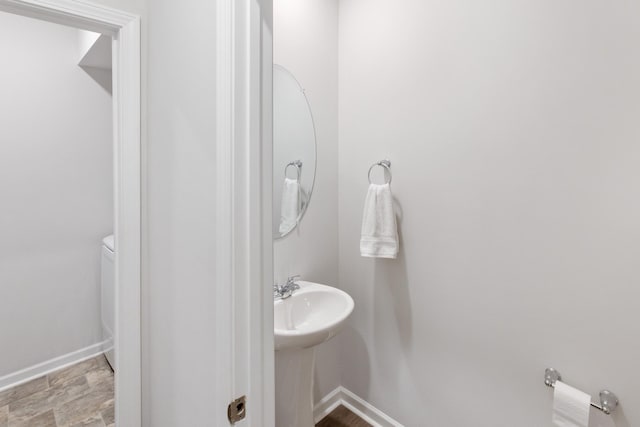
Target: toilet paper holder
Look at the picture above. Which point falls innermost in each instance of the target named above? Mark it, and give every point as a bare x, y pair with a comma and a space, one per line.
608, 400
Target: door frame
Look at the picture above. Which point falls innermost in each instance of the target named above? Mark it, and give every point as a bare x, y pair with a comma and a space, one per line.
124, 28
244, 64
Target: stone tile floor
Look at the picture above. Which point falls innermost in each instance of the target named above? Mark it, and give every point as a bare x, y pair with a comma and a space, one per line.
79, 395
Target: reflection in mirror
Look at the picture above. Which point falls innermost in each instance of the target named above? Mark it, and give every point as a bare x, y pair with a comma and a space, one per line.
294, 152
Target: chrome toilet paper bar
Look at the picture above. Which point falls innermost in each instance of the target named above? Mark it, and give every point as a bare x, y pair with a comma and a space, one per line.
608, 400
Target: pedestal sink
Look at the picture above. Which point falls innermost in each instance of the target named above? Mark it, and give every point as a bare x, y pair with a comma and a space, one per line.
312, 315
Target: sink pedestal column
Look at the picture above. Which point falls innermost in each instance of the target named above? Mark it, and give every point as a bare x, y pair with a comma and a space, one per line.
294, 387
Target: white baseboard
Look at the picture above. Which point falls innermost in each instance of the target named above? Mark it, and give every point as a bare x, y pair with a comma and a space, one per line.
357, 405
49, 366
327, 404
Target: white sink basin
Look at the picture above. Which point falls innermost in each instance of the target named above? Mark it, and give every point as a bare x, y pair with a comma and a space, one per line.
312, 315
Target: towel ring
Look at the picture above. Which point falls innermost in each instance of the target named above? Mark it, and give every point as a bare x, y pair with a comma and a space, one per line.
385, 164
298, 166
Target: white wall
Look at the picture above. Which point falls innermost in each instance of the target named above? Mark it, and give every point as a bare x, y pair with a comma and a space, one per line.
306, 43
513, 132
178, 133
181, 352
179, 276
57, 196
178, 136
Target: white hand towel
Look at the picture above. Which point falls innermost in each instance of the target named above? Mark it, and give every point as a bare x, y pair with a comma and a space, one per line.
570, 406
290, 205
379, 230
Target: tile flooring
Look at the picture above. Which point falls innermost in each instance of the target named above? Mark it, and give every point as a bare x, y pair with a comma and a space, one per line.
342, 417
80, 395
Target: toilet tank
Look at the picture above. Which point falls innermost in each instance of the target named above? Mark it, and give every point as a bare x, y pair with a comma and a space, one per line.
108, 297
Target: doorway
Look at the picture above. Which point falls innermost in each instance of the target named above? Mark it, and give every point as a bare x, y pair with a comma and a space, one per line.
121, 32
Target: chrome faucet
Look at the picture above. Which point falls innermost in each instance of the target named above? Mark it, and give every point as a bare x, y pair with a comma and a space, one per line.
286, 290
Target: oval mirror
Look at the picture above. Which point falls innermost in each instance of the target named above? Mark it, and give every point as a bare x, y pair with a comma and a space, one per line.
294, 152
